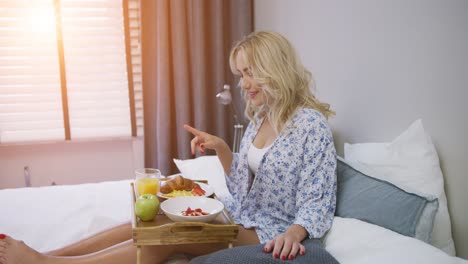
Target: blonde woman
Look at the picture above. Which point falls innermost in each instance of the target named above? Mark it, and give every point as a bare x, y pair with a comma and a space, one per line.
282, 182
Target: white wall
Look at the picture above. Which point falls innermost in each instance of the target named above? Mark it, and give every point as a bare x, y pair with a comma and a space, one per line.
383, 64
70, 162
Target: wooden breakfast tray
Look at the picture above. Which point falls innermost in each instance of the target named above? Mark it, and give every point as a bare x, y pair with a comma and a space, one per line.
163, 231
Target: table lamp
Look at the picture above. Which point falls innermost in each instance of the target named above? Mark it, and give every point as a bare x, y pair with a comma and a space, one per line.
225, 98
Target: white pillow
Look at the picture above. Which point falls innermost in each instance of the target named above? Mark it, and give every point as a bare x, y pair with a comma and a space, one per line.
205, 168
410, 162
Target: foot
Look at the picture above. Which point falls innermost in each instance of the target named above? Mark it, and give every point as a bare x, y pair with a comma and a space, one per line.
17, 252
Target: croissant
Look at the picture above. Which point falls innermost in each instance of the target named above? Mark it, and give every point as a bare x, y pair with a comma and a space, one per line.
178, 183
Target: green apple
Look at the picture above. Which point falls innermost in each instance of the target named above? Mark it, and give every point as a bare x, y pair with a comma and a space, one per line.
146, 207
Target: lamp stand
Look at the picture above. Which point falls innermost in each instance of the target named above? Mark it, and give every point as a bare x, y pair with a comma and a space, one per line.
238, 133
238, 130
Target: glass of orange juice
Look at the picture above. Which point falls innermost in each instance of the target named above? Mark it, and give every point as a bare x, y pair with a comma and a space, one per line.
147, 181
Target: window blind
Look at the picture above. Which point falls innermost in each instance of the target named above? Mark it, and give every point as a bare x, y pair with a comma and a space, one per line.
95, 69
30, 98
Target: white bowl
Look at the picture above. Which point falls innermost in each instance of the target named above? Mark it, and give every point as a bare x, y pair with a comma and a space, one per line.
173, 208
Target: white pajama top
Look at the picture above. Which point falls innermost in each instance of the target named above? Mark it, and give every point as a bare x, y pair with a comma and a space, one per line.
295, 182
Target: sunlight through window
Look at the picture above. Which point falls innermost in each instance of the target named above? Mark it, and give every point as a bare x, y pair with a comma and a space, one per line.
94, 79
41, 20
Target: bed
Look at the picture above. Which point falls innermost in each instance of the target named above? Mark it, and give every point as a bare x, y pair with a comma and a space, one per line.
66, 214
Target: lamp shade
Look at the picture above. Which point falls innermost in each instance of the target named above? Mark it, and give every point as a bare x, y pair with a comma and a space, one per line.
224, 97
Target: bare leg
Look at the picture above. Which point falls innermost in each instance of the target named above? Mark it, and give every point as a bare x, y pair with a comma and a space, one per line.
97, 242
15, 252
122, 233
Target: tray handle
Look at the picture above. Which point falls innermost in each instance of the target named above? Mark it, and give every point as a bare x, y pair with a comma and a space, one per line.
186, 229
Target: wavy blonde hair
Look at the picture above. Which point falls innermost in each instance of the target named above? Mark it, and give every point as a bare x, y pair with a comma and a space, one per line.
277, 69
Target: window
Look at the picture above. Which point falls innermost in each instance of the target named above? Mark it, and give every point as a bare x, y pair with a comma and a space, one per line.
63, 70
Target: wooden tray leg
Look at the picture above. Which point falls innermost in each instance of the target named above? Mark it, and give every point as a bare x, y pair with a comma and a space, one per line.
138, 254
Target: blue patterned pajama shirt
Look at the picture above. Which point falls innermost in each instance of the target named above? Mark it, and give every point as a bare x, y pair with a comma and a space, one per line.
295, 182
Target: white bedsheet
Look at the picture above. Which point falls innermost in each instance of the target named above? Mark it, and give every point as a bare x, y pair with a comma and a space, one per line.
47, 218
51, 217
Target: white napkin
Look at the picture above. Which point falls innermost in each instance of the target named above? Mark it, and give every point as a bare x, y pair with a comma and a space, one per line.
204, 168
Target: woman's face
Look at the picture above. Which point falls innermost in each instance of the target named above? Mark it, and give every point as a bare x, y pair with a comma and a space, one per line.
254, 92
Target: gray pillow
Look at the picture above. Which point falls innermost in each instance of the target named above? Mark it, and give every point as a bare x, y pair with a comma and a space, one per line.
381, 203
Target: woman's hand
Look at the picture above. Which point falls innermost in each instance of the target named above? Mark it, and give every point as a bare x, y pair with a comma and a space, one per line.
203, 140
287, 245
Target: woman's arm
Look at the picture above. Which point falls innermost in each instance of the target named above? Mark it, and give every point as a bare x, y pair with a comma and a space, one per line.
315, 196
225, 156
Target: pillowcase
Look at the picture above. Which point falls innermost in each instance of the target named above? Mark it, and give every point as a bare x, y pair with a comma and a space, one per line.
381, 203
411, 163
